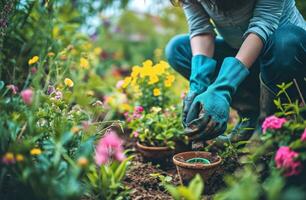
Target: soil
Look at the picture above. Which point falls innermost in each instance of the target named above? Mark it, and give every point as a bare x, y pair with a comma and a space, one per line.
145, 186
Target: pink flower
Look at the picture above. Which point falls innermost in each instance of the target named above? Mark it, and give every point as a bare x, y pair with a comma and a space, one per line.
183, 95
119, 84
285, 159
58, 95
109, 147
138, 109
27, 96
33, 70
13, 88
273, 122
303, 137
135, 134
136, 116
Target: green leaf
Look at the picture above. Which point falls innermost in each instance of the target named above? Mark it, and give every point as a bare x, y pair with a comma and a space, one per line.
173, 191
196, 186
1, 85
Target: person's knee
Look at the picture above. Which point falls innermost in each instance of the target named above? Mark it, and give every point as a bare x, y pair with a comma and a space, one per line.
288, 43
172, 50
286, 52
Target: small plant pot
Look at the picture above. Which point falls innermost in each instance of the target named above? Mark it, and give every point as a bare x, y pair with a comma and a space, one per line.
203, 163
155, 154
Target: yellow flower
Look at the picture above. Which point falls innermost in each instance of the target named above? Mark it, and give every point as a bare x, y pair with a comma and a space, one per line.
136, 88
156, 92
55, 32
165, 64
126, 82
33, 60
9, 156
84, 63
159, 69
126, 107
51, 54
68, 82
90, 93
153, 79
75, 129
97, 51
19, 158
167, 83
82, 162
35, 151
135, 71
147, 63
171, 78
87, 46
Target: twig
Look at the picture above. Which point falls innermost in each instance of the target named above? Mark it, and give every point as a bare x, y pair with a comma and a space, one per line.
299, 91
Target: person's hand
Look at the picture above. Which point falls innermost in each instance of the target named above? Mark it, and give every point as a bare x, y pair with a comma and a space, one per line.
209, 111
202, 71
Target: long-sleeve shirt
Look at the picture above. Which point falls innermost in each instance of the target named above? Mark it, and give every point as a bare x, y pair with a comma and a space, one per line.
261, 17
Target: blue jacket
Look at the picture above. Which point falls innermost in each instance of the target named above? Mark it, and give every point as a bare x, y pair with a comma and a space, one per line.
261, 17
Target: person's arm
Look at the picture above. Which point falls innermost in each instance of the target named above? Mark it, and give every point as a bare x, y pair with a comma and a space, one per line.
265, 21
250, 50
201, 30
203, 45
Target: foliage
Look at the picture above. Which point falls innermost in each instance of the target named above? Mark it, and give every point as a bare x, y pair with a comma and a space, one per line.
105, 182
192, 192
150, 84
157, 127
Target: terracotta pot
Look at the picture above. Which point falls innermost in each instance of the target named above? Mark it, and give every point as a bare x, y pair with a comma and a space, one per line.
187, 171
155, 154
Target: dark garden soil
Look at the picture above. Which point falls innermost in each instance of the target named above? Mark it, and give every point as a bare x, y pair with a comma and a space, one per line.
145, 186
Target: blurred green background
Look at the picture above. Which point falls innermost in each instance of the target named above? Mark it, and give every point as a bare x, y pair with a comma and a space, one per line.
128, 31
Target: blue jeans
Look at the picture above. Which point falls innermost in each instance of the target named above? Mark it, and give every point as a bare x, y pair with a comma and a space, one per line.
282, 59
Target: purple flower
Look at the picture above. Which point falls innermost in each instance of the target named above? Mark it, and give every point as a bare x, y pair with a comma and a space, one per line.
50, 90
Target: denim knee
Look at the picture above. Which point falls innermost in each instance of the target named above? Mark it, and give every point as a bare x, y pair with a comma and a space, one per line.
174, 50
285, 54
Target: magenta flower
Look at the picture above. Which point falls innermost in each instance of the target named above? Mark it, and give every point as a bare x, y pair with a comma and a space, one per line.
27, 96
138, 109
109, 147
285, 159
303, 137
273, 122
13, 88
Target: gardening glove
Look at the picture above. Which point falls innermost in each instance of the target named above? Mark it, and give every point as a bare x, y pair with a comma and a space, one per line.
202, 71
209, 112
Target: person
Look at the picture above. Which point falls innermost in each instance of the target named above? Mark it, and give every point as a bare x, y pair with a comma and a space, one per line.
236, 53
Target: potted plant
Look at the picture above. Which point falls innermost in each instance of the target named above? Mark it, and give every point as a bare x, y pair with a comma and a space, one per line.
190, 163
158, 132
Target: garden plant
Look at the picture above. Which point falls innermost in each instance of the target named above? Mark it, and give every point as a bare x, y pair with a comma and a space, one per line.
91, 108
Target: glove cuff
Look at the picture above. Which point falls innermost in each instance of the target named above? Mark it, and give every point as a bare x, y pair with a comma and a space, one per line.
231, 75
202, 71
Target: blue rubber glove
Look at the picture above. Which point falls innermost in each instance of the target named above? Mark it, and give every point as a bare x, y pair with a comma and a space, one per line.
209, 112
202, 71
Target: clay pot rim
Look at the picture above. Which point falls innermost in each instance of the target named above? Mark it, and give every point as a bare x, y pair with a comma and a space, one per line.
193, 165
153, 148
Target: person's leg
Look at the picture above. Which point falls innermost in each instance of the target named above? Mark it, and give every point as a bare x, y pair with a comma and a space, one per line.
284, 59
179, 55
